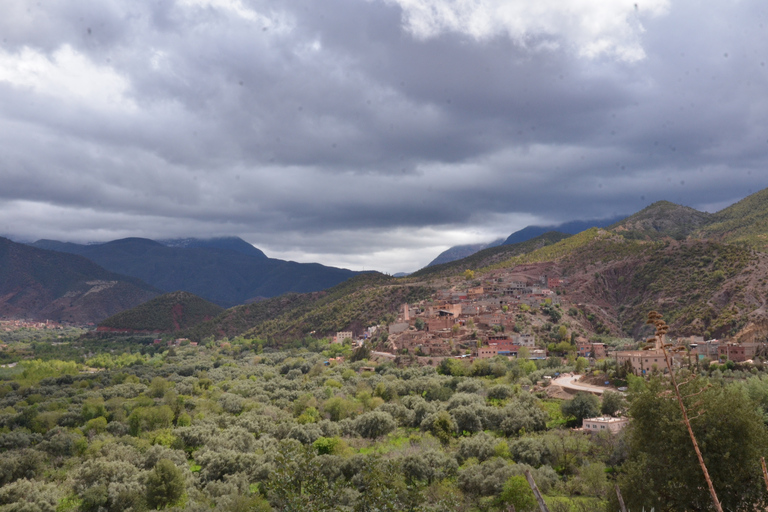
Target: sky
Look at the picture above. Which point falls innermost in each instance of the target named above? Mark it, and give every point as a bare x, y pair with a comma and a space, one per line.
372, 134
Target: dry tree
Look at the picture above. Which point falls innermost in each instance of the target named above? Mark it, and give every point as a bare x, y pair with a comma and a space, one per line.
659, 342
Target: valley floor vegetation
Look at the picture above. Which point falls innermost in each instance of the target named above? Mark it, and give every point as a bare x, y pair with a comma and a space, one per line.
127, 426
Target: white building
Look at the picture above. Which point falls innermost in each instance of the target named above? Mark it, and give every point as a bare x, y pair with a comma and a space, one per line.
605, 424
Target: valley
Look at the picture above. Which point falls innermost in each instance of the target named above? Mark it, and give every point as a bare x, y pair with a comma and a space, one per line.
442, 390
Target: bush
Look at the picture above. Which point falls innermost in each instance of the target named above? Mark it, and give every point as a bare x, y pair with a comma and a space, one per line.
28, 496
374, 424
428, 466
481, 447
500, 392
613, 402
530, 450
523, 415
441, 425
518, 493
583, 405
165, 485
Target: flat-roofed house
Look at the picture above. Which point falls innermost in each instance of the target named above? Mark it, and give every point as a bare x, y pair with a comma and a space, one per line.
605, 424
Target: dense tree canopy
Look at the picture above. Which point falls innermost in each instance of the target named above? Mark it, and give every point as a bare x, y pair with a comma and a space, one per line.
240, 428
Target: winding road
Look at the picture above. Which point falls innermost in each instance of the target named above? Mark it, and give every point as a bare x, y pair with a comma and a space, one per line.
568, 381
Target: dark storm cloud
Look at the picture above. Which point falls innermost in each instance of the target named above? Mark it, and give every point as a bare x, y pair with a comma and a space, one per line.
371, 132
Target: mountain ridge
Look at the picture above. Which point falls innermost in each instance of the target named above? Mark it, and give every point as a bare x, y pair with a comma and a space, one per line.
218, 274
458, 252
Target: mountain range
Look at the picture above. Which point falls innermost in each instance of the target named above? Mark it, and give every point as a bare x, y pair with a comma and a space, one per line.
226, 271
707, 273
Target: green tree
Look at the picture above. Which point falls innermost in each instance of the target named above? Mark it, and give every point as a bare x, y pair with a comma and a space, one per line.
663, 470
469, 274
165, 485
613, 402
295, 484
362, 352
583, 405
518, 493
374, 424
441, 425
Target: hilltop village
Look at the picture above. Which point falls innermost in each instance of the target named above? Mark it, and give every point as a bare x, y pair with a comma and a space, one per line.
516, 316
478, 321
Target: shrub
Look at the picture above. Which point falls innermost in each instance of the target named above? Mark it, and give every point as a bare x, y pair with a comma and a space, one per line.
374, 424
165, 485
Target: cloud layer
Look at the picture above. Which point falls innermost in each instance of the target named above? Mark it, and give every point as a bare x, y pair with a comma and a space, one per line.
371, 133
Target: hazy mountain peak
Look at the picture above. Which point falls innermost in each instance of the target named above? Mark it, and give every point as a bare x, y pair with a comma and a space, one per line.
458, 252
569, 228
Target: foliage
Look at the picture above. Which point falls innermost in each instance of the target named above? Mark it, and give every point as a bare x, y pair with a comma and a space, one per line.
518, 493
165, 485
37, 370
582, 406
222, 428
731, 433
612, 403
167, 313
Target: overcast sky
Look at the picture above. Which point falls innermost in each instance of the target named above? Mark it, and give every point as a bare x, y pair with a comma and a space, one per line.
372, 133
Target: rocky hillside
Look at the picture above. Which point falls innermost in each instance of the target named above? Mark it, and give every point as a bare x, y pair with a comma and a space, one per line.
662, 219
40, 284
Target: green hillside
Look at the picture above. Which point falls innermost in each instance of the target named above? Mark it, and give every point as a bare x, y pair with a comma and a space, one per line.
166, 313
354, 304
745, 221
554, 251
490, 256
